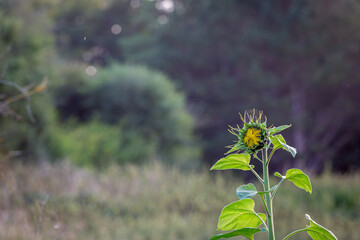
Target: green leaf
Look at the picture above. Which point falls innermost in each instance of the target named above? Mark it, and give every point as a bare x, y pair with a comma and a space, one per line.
240, 214
245, 232
277, 174
318, 232
299, 178
249, 190
233, 161
279, 142
275, 140
290, 149
274, 130
234, 148
246, 191
315, 231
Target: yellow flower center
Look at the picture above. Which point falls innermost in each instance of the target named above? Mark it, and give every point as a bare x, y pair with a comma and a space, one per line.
252, 137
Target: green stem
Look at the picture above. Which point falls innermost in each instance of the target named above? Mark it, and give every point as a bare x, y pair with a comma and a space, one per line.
293, 233
267, 210
268, 200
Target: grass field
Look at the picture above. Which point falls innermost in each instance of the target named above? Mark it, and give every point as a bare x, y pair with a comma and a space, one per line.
154, 202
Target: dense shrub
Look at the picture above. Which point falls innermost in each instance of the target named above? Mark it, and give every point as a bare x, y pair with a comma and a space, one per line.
97, 144
141, 111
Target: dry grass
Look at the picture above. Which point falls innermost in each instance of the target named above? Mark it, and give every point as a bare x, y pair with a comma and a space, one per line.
153, 202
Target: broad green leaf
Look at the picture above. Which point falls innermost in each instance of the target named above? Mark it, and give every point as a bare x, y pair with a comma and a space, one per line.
245, 232
274, 130
279, 142
315, 231
318, 232
299, 178
246, 191
233, 161
240, 214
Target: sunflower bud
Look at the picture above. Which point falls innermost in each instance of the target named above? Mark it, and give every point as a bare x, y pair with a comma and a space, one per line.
253, 136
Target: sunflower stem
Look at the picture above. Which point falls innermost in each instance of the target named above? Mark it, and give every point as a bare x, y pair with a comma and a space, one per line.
268, 199
267, 210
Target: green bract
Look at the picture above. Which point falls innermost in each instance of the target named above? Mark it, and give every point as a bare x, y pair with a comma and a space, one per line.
240, 217
247, 141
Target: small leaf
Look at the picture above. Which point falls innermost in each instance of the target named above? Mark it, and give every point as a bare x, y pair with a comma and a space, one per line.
245, 232
290, 149
299, 178
233, 149
277, 174
275, 140
246, 191
279, 142
274, 130
240, 214
233, 161
318, 232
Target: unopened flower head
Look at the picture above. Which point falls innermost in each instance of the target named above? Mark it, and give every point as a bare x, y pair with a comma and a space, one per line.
253, 135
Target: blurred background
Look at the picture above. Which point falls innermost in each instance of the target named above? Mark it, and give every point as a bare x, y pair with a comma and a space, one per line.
139, 97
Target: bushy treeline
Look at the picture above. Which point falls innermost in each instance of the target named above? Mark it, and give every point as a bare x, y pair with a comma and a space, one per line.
93, 115
127, 114
297, 60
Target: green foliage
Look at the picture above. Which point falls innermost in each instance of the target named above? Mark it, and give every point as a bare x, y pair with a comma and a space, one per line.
275, 130
278, 141
30, 139
147, 102
240, 214
318, 232
98, 145
298, 177
315, 231
25, 50
246, 191
233, 161
150, 113
246, 232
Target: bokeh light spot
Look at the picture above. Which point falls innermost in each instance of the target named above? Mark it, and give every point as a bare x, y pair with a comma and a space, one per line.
116, 29
165, 5
90, 70
135, 3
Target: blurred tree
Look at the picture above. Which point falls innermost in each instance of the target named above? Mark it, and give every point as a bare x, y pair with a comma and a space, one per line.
288, 58
149, 112
297, 60
23, 55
